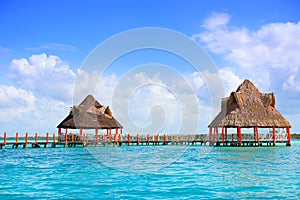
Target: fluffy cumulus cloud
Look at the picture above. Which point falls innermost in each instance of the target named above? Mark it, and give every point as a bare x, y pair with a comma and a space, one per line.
39, 96
260, 53
45, 74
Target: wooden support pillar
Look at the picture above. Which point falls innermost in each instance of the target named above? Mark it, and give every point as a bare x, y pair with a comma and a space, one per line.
210, 135
137, 139
96, 135
223, 134
274, 135
80, 134
110, 135
288, 131
148, 139
216, 135
36, 137
164, 139
4, 139
47, 138
128, 139
26, 139
59, 134
17, 137
239, 134
54, 138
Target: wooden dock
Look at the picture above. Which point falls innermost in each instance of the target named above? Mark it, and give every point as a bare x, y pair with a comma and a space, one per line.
72, 140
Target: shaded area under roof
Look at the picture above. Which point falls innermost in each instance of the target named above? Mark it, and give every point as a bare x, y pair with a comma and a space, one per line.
90, 114
248, 107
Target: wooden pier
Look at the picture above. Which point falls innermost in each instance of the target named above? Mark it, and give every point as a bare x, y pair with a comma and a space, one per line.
72, 140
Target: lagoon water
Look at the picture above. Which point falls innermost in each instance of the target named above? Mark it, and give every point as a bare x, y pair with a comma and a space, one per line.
141, 172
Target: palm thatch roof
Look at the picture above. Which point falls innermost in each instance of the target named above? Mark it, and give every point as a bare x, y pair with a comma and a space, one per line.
90, 114
248, 107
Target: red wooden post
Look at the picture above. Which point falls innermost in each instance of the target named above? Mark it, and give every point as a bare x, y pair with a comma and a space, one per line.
148, 139
128, 139
59, 134
274, 134
4, 138
223, 134
96, 130
26, 138
210, 134
17, 137
216, 134
137, 139
47, 137
115, 138
288, 135
110, 135
239, 134
80, 134
36, 137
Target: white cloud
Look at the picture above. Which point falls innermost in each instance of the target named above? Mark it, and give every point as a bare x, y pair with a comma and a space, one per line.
21, 111
256, 53
230, 80
43, 74
293, 81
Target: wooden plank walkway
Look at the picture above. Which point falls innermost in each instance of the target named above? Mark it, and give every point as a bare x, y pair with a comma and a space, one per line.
39, 144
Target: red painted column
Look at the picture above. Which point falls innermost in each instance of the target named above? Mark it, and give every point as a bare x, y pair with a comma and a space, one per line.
80, 134
26, 138
17, 137
110, 135
47, 137
223, 134
274, 134
58, 133
4, 138
96, 135
216, 137
36, 137
210, 135
288, 135
239, 134
256, 138
128, 139
137, 139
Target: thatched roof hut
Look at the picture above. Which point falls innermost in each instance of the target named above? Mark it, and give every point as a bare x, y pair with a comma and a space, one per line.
248, 107
90, 114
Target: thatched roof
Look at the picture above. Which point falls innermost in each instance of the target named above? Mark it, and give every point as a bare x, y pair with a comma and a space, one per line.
90, 114
248, 107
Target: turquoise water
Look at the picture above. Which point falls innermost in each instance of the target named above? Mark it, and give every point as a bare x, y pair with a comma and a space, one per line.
164, 172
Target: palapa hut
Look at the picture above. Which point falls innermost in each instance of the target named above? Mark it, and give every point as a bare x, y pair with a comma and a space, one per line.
247, 107
90, 114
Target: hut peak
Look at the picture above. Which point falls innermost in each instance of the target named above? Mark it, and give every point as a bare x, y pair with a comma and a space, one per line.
90, 114
248, 87
248, 107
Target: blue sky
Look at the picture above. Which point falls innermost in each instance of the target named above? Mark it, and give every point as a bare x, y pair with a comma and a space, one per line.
44, 43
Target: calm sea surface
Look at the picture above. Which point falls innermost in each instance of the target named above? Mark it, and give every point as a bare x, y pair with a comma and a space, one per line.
161, 172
